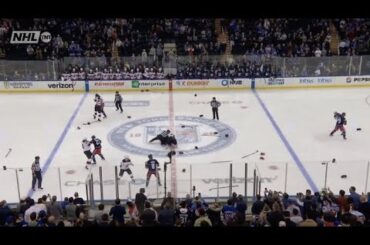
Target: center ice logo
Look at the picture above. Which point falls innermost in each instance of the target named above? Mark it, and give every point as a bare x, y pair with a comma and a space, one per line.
208, 135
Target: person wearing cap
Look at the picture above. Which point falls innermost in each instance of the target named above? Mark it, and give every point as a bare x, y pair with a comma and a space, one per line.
36, 173
118, 101
153, 166
125, 167
215, 104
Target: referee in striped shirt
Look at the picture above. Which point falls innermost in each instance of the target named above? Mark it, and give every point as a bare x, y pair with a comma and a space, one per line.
36, 173
162, 137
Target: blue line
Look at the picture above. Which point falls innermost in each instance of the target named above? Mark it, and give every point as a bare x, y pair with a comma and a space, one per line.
60, 140
287, 145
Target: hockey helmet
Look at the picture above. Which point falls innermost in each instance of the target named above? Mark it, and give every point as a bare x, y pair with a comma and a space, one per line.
93, 137
150, 155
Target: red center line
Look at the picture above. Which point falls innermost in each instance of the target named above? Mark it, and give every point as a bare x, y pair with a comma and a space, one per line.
172, 128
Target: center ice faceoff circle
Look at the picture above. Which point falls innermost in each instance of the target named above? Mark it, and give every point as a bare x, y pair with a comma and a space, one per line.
133, 136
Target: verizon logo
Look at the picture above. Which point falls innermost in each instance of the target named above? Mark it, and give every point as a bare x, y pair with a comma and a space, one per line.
29, 37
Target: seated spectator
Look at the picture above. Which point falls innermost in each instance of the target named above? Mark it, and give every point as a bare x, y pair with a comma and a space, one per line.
296, 217
54, 209
183, 215
214, 214
257, 206
5, 212
99, 214
166, 216
149, 216
71, 210
229, 212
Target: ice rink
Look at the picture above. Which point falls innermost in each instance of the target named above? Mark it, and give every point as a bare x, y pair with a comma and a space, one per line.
291, 127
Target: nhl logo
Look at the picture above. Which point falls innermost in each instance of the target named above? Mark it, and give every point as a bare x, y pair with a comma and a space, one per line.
348, 80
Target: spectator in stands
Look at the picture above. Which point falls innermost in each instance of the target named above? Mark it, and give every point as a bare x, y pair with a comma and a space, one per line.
169, 200
275, 216
229, 212
99, 214
32, 220
51, 222
104, 220
257, 206
287, 220
214, 214
54, 209
241, 208
166, 216
309, 221
364, 208
78, 200
31, 209
183, 215
202, 218
149, 216
234, 199
5, 212
355, 197
117, 212
132, 212
71, 209
140, 200
296, 217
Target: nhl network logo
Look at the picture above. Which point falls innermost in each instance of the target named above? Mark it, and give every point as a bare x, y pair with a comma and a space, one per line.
29, 37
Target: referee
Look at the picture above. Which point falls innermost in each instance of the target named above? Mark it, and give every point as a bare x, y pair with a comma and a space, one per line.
36, 173
118, 101
215, 104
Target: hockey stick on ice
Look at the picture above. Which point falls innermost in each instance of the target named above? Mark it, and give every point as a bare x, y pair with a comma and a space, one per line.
8, 153
250, 154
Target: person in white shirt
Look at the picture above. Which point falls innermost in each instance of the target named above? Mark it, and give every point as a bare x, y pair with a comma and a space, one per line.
34, 208
318, 52
296, 218
125, 167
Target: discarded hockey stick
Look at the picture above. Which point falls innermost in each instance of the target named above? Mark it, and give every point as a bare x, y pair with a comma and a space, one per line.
220, 162
250, 154
8, 153
88, 123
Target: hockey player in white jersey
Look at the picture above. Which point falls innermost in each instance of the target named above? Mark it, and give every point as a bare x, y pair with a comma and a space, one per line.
125, 167
86, 146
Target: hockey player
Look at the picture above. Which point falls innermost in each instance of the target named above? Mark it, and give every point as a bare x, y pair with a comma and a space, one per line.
86, 146
341, 121
97, 147
171, 141
118, 101
153, 167
162, 137
99, 107
125, 167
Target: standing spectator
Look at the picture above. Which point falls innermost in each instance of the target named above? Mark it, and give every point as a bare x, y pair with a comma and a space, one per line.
71, 210
32, 208
257, 206
365, 208
355, 197
287, 220
169, 200
215, 104
140, 200
54, 208
229, 212
342, 201
144, 57
99, 214
104, 220
241, 208
118, 101
30, 52
78, 200
36, 173
318, 52
159, 52
152, 54
132, 212
202, 218
234, 199
214, 214
5, 212
182, 215
166, 217
148, 216
118, 212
